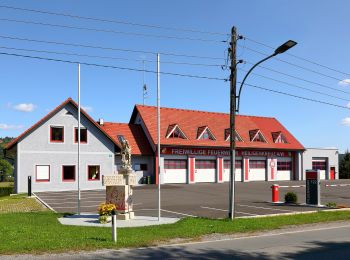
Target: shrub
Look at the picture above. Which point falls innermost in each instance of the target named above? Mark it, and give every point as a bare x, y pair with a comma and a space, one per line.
290, 197
6, 191
331, 204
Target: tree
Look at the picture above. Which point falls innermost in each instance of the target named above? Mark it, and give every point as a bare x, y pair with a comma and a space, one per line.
344, 166
5, 170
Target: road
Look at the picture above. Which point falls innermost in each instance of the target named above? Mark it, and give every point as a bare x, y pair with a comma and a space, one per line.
324, 241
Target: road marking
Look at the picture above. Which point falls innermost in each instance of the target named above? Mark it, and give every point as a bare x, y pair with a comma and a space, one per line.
227, 210
293, 186
251, 206
337, 185
179, 213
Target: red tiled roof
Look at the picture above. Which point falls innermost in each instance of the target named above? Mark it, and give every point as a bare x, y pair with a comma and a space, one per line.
131, 132
190, 120
49, 115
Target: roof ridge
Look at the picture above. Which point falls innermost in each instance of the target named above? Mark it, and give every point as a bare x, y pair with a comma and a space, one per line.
202, 111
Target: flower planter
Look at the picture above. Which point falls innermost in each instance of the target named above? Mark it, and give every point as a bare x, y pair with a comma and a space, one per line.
104, 219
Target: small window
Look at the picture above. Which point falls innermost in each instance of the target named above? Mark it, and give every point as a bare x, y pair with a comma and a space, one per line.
284, 166
204, 133
57, 134
42, 173
174, 131
257, 164
256, 136
227, 164
94, 172
278, 137
205, 164
83, 135
68, 173
319, 165
228, 135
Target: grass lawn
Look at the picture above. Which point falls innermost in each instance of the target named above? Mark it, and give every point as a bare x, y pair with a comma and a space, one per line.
41, 232
19, 203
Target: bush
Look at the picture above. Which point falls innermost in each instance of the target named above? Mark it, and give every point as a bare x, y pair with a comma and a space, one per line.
6, 191
106, 209
290, 197
331, 204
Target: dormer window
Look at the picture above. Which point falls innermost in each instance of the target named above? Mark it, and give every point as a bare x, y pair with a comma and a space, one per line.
174, 131
279, 138
256, 136
204, 133
238, 138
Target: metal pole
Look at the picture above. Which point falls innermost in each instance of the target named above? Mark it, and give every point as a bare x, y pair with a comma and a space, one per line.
78, 166
158, 129
114, 226
233, 78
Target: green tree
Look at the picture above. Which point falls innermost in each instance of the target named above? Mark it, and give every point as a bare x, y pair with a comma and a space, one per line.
5, 170
344, 166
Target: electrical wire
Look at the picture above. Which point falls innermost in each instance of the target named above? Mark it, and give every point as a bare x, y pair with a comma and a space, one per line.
113, 21
111, 31
295, 96
111, 66
296, 86
300, 58
294, 65
110, 48
302, 79
108, 57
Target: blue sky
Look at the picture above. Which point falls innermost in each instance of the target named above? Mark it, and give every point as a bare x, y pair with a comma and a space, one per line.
30, 88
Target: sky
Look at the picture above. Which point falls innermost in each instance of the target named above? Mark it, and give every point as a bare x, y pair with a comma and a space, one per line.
30, 88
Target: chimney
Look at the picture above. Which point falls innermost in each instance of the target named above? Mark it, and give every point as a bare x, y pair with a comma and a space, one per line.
101, 121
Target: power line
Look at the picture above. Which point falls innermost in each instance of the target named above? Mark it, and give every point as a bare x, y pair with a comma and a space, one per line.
113, 21
111, 66
108, 57
302, 79
294, 65
295, 96
300, 58
111, 48
300, 87
111, 31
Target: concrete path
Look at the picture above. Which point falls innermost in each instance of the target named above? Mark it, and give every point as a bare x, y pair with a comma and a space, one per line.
92, 220
322, 241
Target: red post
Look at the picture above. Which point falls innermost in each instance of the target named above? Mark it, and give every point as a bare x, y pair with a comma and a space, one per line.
275, 193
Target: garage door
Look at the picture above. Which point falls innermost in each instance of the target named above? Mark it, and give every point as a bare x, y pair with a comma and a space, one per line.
205, 171
238, 176
284, 170
257, 170
320, 164
175, 171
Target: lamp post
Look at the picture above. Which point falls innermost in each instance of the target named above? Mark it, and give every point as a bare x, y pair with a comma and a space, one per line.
234, 108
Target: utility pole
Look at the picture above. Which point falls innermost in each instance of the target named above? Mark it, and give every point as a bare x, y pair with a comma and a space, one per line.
158, 131
78, 165
233, 79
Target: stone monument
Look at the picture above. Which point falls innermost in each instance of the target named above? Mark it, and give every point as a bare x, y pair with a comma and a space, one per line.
119, 186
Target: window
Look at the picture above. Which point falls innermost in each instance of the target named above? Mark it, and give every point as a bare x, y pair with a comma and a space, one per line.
204, 133
175, 164
57, 134
284, 166
94, 172
205, 164
228, 133
42, 173
278, 137
83, 135
140, 167
174, 131
256, 136
257, 164
319, 165
68, 173
227, 164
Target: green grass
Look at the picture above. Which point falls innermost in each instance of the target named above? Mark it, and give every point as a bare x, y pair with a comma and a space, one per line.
41, 232
19, 203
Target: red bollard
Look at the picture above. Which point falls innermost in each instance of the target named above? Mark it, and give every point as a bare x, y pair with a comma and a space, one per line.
275, 193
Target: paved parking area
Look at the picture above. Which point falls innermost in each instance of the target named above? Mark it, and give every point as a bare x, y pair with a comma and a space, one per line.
204, 200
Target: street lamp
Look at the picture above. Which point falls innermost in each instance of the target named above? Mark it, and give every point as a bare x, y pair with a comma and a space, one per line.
233, 110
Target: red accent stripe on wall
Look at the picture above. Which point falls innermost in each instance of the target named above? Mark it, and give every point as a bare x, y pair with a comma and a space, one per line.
156, 169
246, 169
220, 161
192, 169
272, 169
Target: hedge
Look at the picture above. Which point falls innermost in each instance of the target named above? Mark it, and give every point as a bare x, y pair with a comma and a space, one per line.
5, 191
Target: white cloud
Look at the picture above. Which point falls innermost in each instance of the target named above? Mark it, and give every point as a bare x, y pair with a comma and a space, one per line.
344, 82
346, 121
10, 127
87, 108
348, 105
25, 107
